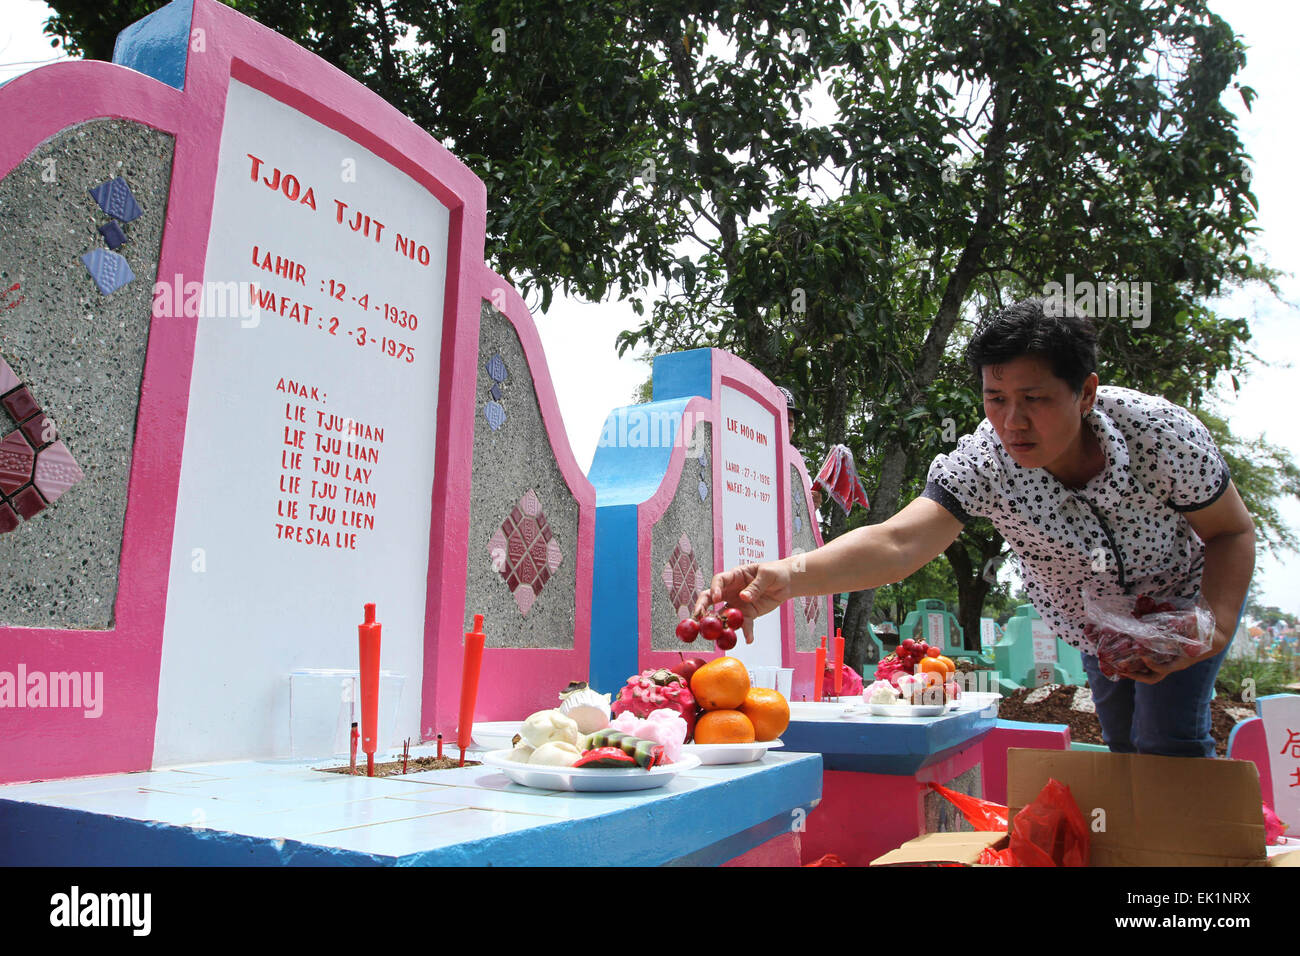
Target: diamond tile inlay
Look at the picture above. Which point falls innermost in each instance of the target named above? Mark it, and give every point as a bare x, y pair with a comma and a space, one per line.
108, 269
524, 552
8, 379
112, 233
33, 472
811, 609
56, 471
116, 199
682, 576
16, 460
20, 404
496, 368
495, 415
27, 502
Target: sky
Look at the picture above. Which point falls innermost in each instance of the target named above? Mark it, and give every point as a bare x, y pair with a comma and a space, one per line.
590, 379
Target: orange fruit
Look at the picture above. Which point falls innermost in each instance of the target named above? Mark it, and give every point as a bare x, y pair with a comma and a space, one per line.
947, 662
768, 711
721, 684
929, 664
724, 727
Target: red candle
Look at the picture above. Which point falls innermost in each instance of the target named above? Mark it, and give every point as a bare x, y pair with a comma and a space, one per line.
819, 673
368, 636
839, 662
469, 685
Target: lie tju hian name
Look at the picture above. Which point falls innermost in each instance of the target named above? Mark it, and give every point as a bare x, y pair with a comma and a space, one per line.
74, 690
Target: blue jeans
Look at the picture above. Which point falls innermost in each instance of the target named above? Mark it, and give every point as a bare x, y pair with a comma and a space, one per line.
1170, 718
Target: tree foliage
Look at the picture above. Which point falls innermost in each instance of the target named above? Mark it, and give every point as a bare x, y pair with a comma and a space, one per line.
837, 192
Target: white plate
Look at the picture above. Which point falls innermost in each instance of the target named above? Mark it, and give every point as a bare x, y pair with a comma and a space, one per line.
716, 754
909, 710
495, 734
589, 778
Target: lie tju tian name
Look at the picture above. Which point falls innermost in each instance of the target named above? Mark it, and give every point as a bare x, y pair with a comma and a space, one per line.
79, 690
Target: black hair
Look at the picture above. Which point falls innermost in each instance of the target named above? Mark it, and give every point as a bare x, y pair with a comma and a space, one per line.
1067, 341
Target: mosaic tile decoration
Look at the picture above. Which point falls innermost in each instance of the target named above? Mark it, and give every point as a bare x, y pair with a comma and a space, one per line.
35, 467
494, 411
112, 233
798, 523
109, 270
524, 551
682, 576
811, 608
117, 200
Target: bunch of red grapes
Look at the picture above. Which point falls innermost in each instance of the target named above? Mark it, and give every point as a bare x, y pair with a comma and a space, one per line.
1177, 633
718, 628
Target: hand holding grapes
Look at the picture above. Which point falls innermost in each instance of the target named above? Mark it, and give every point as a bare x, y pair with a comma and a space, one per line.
753, 589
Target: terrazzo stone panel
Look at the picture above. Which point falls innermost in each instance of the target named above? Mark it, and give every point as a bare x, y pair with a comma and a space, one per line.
689, 514
511, 459
82, 355
940, 814
807, 634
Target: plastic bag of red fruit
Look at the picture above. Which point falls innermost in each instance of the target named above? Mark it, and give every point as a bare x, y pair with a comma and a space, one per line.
1126, 629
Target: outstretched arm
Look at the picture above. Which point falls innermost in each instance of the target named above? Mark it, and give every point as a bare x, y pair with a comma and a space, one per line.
864, 558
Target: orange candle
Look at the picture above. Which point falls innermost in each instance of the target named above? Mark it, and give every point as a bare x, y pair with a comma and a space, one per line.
820, 675
839, 661
474, 641
368, 634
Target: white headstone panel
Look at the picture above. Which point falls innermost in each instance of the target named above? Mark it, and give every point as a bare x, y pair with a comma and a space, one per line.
747, 450
1044, 653
1281, 715
934, 629
308, 463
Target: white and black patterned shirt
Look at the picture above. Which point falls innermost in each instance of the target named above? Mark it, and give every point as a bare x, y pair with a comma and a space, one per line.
1121, 533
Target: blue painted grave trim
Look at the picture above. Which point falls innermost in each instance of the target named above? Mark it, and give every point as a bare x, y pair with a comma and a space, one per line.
158, 45
744, 811
626, 474
683, 375
614, 617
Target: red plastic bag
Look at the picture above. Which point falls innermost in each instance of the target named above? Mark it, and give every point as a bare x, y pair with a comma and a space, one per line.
1050, 831
981, 814
839, 478
1126, 629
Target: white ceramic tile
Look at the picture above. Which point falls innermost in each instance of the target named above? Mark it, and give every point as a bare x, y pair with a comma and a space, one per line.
404, 837
301, 822
487, 778
291, 792
80, 785
524, 801
136, 804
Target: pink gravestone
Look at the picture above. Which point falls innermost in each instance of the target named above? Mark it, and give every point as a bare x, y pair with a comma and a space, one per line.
310, 406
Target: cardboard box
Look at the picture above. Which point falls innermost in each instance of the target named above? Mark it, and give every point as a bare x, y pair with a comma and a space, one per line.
1141, 811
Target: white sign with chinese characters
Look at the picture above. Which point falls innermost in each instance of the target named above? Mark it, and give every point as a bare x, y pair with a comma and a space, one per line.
934, 629
1281, 714
1044, 653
